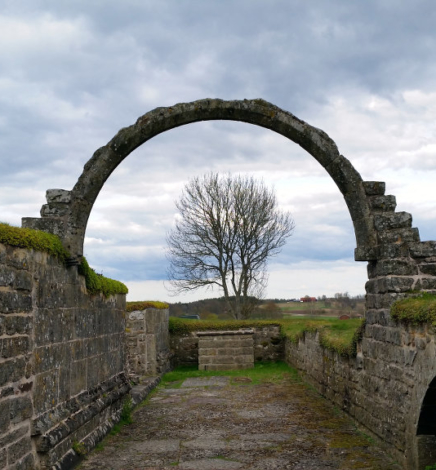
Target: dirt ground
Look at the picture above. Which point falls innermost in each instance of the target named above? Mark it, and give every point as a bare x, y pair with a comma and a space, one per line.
220, 423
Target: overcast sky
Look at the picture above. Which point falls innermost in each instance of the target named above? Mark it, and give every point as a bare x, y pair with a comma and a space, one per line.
73, 73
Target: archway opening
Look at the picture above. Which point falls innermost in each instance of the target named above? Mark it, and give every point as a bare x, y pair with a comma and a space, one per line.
307, 264
426, 430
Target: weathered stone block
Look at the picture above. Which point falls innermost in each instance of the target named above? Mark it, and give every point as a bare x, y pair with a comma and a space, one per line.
14, 346
423, 249
3, 458
11, 302
47, 385
392, 267
77, 350
4, 415
54, 325
23, 281
13, 436
7, 275
428, 268
18, 258
17, 324
393, 250
398, 284
399, 235
383, 203
26, 463
394, 220
93, 367
12, 370
374, 188
51, 357
19, 449
20, 409
426, 284
58, 195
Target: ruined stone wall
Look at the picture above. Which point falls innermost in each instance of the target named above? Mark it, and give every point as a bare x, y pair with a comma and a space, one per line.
62, 360
147, 335
267, 345
383, 387
225, 350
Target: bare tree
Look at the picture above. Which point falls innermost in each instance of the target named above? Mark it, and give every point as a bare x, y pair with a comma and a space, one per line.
227, 229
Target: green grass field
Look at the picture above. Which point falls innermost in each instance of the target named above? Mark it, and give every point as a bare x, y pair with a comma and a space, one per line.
321, 308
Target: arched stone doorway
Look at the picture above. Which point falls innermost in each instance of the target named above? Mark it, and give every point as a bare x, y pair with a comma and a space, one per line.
426, 430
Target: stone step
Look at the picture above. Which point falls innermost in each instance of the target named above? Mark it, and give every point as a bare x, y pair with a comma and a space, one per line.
374, 188
423, 249
399, 235
383, 203
394, 220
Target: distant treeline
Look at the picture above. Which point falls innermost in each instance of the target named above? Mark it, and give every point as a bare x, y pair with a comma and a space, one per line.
268, 308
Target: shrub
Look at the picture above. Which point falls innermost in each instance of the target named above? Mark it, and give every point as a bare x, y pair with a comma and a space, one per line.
143, 304
32, 239
95, 283
415, 310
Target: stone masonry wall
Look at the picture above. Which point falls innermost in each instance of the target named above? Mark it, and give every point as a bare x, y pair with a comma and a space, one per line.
147, 337
225, 350
62, 361
382, 388
267, 343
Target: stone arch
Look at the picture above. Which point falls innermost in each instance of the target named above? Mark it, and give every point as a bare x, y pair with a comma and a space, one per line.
67, 212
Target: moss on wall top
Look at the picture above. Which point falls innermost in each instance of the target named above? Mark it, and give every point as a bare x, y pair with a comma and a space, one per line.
143, 304
32, 239
48, 243
415, 310
96, 283
336, 335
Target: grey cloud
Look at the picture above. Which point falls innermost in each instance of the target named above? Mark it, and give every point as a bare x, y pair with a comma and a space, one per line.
94, 67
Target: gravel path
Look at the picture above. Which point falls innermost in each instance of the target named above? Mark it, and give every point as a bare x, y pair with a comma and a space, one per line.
219, 423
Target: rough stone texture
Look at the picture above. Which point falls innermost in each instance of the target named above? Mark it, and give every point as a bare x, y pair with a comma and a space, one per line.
147, 337
62, 360
267, 346
383, 387
225, 350
220, 423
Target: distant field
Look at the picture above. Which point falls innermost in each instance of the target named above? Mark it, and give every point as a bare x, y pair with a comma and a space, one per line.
317, 308
303, 306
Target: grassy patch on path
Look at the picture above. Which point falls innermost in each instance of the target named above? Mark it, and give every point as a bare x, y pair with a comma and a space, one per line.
262, 372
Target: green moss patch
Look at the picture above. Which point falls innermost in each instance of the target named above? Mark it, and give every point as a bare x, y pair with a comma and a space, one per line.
32, 239
262, 372
144, 304
182, 326
336, 335
415, 310
96, 283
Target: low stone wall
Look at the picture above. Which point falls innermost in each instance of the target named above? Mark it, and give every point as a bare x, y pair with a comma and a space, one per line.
62, 361
225, 350
147, 337
267, 344
382, 388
